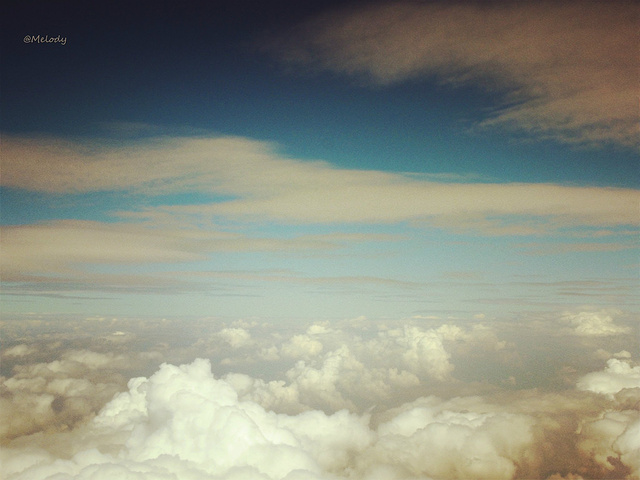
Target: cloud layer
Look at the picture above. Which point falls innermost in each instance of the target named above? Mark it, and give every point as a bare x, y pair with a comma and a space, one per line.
327, 400
568, 69
196, 215
236, 181
253, 182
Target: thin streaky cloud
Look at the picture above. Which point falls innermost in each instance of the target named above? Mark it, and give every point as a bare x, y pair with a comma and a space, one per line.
259, 184
297, 278
586, 247
67, 247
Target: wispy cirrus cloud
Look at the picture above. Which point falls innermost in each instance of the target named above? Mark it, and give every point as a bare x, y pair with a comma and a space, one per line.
568, 69
256, 183
241, 186
63, 249
156, 166
586, 247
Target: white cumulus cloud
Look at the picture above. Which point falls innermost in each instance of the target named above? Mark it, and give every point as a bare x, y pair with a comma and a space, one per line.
591, 323
617, 375
338, 400
182, 422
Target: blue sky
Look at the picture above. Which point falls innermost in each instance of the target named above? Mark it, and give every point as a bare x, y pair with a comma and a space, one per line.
335, 159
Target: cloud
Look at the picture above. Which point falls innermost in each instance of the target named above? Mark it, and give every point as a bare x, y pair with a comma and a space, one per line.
426, 438
68, 251
238, 180
182, 421
356, 398
556, 249
613, 442
236, 337
20, 350
617, 375
424, 350
58, 394
567, 69
65, 243
596, 324
252, 182
356, 198
160, 165
335, 369
301, 346
627, 445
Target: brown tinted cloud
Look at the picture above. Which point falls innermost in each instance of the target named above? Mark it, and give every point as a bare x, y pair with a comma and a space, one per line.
325, 400
568, 70
258, 183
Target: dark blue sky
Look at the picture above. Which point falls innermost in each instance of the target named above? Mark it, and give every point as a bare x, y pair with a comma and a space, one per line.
199, 67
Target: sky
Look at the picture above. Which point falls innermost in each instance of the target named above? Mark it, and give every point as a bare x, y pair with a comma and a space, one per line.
416, 221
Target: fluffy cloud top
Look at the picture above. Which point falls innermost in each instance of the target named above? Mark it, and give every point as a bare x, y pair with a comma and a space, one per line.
425, 438
597, 324
57, 394
352, 399
618, 374
569, 67
236, 337
182, 421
